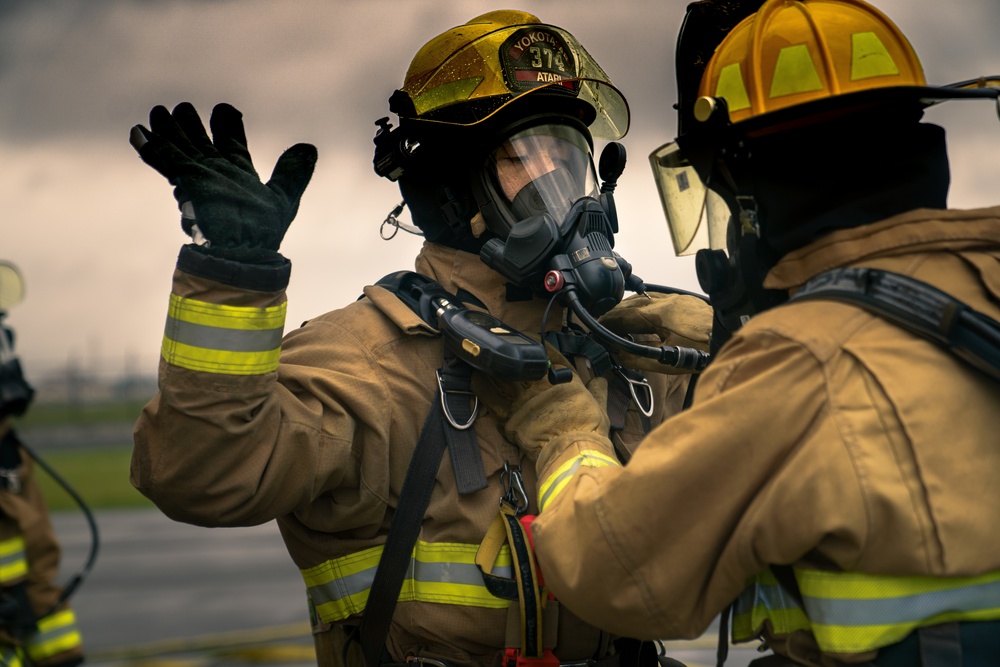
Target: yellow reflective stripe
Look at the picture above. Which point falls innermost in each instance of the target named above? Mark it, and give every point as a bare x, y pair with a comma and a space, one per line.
731, 88
870, 58
445, 94
849, 612
57, 633
443, 573
557, 481
232, 340
13, 563
11, 656
795, 72
853, 613
765, 599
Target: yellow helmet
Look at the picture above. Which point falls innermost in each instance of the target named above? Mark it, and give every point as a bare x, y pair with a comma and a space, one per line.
791, 53
467, 74
796, 51
771, 66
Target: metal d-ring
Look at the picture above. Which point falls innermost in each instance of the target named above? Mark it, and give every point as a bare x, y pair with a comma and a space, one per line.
447, 412
632, 384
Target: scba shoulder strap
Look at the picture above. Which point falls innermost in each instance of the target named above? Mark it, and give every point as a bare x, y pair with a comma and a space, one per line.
917, 307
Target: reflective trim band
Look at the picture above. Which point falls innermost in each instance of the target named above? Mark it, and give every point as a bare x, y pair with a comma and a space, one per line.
443, 573
850, 612
765, 599
557, 481
57, 633
232, 340
11, 656
13, 562
853, 612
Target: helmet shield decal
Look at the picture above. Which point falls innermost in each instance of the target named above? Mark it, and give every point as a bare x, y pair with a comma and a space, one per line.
534, 57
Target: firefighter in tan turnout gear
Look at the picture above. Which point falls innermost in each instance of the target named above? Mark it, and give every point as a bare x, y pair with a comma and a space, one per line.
328, 429
834, 479
37, 625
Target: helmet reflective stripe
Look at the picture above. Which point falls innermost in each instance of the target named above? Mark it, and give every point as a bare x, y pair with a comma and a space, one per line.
558, 480
231, 340
795, 51
438, 572
57, 633
13, 563
851, 612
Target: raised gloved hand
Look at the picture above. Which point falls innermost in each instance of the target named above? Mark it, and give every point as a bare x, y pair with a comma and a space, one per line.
532, 414
677, 320
216, 185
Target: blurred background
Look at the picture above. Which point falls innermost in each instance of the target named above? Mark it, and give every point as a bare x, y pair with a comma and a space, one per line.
96, 233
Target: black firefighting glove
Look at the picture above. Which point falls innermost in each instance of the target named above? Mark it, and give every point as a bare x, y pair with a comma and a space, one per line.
215, 184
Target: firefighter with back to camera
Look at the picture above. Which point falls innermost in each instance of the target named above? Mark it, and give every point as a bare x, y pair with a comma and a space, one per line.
834, 479
338, 429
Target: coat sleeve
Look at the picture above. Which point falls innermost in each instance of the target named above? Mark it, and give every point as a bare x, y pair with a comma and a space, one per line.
657, 548
233, 437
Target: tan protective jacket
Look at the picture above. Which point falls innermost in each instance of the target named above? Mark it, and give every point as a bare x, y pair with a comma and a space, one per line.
29, 559
821, 435
323, 446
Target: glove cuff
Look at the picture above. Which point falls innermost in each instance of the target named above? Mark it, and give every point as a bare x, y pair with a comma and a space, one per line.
571, 445
269, 276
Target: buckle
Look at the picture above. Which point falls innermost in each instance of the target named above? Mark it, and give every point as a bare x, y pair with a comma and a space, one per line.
428, 662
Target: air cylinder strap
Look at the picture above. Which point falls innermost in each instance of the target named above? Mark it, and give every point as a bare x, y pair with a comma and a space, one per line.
916, 306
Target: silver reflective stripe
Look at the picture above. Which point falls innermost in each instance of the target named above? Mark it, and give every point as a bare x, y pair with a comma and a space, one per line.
218, 338
904, 609
442, 573
772, 596
554, 483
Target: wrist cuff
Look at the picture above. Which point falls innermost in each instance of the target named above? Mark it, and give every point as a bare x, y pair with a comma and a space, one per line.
271, 276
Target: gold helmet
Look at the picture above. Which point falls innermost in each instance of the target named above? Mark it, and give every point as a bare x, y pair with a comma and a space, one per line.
788, 64
468, 89
470, 72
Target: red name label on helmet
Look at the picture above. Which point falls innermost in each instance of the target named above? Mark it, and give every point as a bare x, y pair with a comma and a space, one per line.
533, 57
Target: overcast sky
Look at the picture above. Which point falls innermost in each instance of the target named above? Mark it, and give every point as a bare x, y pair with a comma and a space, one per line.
96, 232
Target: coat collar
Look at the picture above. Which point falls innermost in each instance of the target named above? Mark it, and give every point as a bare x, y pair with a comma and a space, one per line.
920, 230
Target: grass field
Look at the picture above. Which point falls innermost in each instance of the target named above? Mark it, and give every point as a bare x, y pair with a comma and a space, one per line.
99, 474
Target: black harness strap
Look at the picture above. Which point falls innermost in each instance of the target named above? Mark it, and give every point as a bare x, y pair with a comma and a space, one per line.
917, 307
392, 567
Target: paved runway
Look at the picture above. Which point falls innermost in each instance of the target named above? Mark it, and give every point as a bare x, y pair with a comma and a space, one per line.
163, 593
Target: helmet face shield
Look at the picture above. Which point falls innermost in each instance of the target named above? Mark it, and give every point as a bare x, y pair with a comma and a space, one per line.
541, 170
697, 216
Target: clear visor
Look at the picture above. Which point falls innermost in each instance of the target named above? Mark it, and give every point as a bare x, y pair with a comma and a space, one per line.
696, 216
544, 169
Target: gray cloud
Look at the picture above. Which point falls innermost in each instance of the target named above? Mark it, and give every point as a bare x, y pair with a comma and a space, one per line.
97, 231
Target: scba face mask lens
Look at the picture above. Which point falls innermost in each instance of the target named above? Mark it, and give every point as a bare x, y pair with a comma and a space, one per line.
551, 218
542, 170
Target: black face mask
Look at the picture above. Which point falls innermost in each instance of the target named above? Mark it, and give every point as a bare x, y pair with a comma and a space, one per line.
554, 229
547, 256
15, 392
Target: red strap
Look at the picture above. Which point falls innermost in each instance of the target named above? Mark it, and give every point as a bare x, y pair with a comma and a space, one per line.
513, 658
